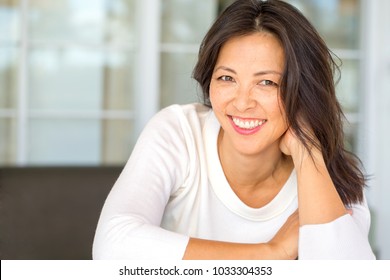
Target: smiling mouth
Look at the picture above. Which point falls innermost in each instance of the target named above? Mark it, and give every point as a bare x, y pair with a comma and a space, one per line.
247, 123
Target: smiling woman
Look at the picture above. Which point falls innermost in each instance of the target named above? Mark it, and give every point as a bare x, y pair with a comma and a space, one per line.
258, 171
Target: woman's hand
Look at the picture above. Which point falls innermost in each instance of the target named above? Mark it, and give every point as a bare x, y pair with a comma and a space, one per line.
285, 242
292, 146
289, 142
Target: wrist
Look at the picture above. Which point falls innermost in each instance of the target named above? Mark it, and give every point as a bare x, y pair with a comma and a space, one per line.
273, 251
301, 154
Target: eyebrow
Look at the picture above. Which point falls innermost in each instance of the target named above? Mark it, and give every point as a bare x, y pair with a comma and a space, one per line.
260, 73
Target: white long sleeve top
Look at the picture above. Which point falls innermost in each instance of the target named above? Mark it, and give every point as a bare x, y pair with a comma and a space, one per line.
173, 188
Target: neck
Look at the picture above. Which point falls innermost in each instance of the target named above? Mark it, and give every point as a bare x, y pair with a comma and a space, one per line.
271, 168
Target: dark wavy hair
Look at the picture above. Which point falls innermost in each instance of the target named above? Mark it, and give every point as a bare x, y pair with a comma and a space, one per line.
307, 88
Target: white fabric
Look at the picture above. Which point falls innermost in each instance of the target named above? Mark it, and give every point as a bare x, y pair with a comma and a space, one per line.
173, 187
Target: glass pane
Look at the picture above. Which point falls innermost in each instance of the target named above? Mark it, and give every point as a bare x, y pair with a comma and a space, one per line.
8, 78
9, 20
118, 141
351, 136
62, 142
7, 142
93, 21
186, 21
119, 81
121, 20
66, 79
338, 21
67, 20
80, 79
347, 90
177, 85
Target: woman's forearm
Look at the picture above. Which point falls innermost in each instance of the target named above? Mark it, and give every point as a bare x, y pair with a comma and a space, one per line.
200, 249
283, 246
318, 199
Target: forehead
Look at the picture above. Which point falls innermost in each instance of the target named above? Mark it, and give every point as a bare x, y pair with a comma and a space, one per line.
258, 49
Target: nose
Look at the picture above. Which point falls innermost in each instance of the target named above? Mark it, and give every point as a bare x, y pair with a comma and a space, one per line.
243, 99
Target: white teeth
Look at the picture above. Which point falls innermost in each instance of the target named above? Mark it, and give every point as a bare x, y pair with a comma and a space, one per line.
247, 124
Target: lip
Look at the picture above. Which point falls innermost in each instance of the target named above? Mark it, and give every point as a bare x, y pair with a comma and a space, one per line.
244, 131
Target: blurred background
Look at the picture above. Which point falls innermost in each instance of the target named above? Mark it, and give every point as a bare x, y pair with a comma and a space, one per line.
79, 80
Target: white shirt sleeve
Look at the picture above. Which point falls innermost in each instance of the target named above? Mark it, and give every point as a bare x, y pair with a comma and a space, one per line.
129, 225
342, 239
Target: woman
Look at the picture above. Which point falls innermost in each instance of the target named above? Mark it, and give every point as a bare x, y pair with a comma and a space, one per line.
259, 170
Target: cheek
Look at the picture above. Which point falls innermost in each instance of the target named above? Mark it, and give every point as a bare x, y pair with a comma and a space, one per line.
216, 99
283, 114
214, 105
277, 113
282, 119
280, 125
211, 93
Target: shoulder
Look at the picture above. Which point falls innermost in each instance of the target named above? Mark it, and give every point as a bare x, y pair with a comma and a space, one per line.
175, 125
187, 111
189, 117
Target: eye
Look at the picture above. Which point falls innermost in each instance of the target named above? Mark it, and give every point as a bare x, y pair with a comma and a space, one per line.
268, 83
226, 78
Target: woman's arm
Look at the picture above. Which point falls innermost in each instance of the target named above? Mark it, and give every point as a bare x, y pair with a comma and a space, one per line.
129, 225
327, 230
284, 246
318, 199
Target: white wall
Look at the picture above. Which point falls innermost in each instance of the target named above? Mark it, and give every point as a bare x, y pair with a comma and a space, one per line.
375, 145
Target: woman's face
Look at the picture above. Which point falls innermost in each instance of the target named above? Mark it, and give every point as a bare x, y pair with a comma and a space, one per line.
244, 93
